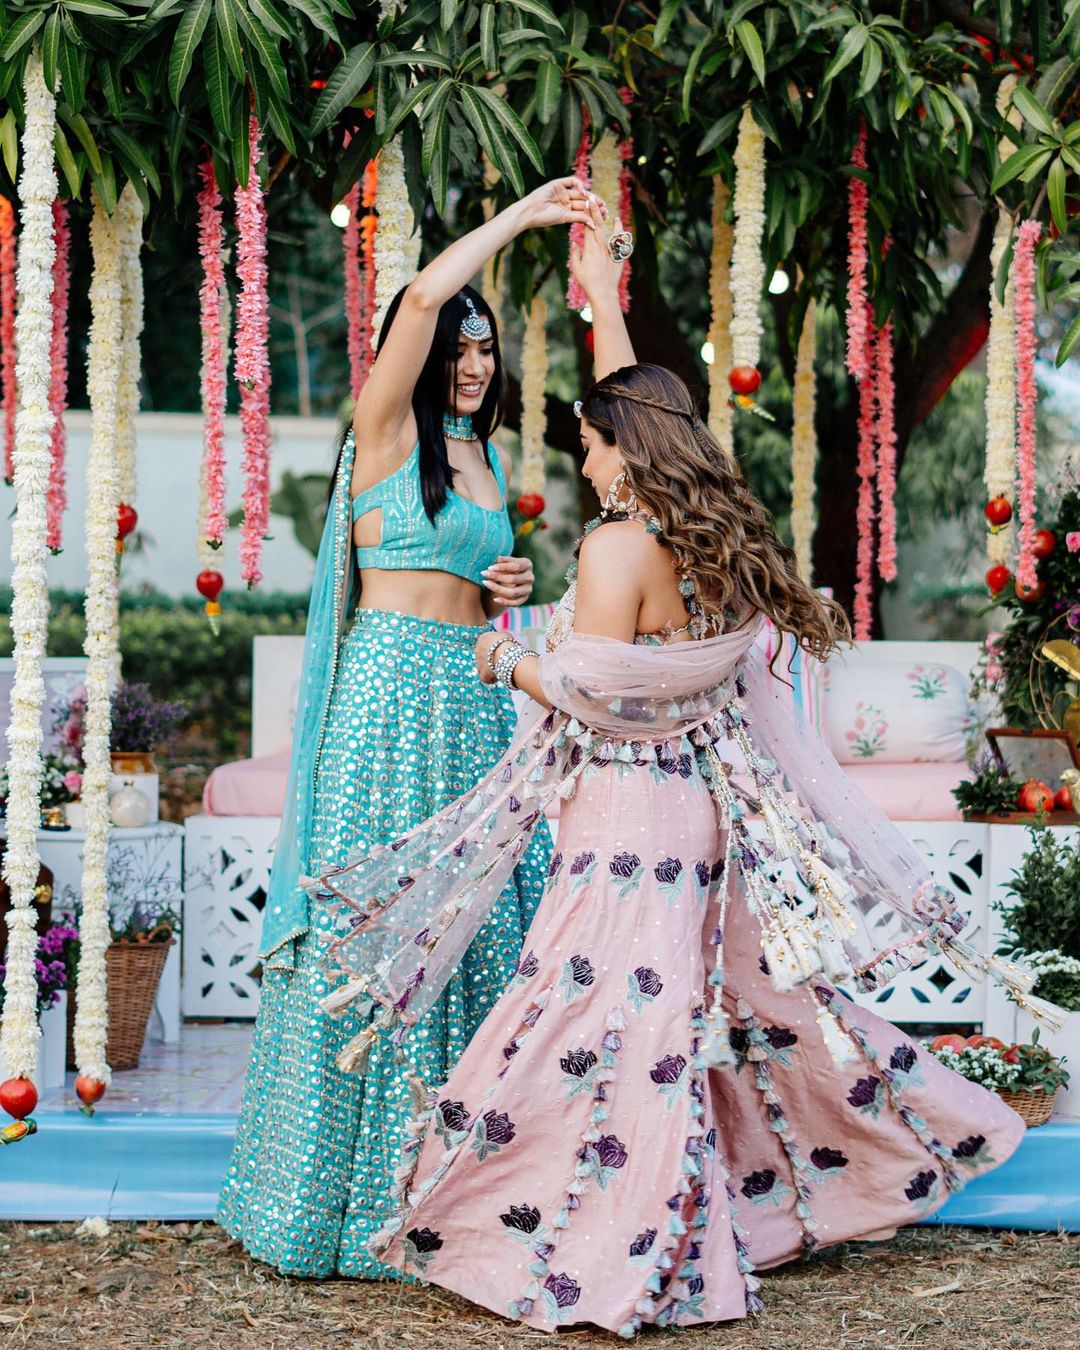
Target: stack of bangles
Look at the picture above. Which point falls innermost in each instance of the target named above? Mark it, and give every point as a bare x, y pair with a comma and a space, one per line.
503, 660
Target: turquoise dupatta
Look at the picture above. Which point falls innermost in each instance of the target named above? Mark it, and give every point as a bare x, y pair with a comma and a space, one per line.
287, 916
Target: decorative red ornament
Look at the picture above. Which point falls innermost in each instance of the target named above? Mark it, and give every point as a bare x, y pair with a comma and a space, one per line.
590, 340
89, 1091
998, 512
1036, 796
18, 1097
745, 380
1029, 593
210, 584
530, 505
1044, 543
126, 520
1063, 799
998, 578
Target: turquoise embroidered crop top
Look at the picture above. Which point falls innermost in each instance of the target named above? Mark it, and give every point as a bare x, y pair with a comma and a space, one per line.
465, 539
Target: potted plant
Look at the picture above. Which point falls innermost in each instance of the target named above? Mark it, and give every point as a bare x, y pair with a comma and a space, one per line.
61, 784
991, 792
1026, 1076
1041, 927
141, 725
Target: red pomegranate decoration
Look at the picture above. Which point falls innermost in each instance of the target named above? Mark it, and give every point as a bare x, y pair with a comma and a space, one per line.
998, 578
745, 380
530, 505
18, 1097
210, 584
1063, 799
1044, 543
1029, 594
1036, 796
998, 512
89, 1091
126, 520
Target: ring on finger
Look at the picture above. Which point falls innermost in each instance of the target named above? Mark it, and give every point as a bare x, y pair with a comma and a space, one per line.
620, 246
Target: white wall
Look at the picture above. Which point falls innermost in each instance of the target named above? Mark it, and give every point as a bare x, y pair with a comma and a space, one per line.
169, 459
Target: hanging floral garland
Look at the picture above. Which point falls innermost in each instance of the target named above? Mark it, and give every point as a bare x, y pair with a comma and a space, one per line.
58, 384
606, 169
369, 225
747, 264
885, 434
393, 252
626, 204
129, 223
1023, 270
253, 363
866, 467
213, 299
723, 238
19, 1031
575, 296
7, 334
354, 290
804, 447
859, 316
103, 377
534, 370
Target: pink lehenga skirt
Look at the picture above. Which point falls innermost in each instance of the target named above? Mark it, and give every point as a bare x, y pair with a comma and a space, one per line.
576, 1168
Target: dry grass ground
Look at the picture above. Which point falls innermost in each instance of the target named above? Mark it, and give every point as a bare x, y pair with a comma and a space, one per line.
183, 1285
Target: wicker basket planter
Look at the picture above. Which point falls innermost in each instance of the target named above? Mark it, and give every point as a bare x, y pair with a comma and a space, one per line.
1033, 1108
134, 973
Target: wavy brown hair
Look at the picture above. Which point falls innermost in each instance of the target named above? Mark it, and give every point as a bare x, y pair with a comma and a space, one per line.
719, 532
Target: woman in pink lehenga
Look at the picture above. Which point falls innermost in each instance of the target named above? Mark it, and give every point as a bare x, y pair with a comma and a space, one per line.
671, 1092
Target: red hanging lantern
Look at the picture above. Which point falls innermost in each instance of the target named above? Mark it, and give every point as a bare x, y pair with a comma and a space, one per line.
18, 1097
126, 520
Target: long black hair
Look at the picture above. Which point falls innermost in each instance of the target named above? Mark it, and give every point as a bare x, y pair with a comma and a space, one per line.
429, 394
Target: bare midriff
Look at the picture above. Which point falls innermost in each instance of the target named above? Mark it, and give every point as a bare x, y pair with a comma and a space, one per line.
427, 595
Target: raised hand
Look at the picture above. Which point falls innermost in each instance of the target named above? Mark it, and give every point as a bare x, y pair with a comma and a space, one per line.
563, 201
592, 264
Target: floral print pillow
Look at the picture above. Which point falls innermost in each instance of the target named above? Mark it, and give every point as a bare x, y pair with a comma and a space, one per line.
895, 712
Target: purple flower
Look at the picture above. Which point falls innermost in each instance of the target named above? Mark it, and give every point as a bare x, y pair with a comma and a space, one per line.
780, 1038
578, 1062
556, 863
529, 966
739, 1040
758, 1183
611, 1151
453, 1115
581, 969
920, 1186
969, 1147
498, 1127
648, 981
702, 871
567, 1291
582, 863
695, 1285
903, 1058
525, 1218
424, 1240
624, 865
824, 1158
668, 871
865, 1091
667, 1070
141, 722
643, 1242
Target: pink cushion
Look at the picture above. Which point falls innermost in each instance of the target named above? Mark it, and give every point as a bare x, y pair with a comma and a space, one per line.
911, 791
249, 787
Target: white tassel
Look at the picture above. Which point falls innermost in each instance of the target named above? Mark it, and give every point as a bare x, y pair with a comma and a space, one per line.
780, 833
345, 994
839, 1045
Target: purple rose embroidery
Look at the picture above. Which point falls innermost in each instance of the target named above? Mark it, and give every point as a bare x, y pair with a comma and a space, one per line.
865, 1092
578, 1062
920, 1186
529, 966
668, 871
498, 1127
758, 1183
510, 1050
624, 865
780, 1038
686, 766
582, 863
453, 1115
556, 863
611, 1151
701, 871
739, 1040
903, 1058
649, 982
695, 1285
424, 1240
667, 1070
643, 1242
565, 1290
969, 1147
582, 970
523, 1218
826, 1158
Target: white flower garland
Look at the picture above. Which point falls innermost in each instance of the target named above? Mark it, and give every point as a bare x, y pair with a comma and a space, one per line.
723, 238
747, 265
999, 472
606, 166
30, 602
804, 447
396, 250
534, 371
130, 223
103, 378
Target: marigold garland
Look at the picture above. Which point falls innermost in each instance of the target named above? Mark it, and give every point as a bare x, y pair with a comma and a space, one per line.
58, 384
8, 398
252, 363
886, 450
575, 296
103, 366
747, 263
213, 296
723, 237
804, 446
859, 315
394, 251
129, 213
534, 370
1026, 393
368, 227
19, 1031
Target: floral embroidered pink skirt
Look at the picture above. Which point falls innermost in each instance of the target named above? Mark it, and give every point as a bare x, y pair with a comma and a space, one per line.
576, 1168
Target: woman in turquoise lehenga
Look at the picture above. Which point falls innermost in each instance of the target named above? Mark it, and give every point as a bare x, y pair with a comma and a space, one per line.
392, 725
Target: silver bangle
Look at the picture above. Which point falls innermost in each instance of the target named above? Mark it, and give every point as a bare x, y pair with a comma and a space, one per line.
495, 646
508, 663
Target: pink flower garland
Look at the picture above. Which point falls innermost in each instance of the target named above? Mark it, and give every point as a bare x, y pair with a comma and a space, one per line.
859, 317
56, 496
886, 451
866, 468
1026, 393
354, 291
253, 364
7, 334
213, 383
626, 209
575, 296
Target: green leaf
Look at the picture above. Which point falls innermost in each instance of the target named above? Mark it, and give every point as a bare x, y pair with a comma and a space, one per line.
216, 71
1015, 165
347, 81
436, 148
1055, 192
50, 48
66, 161
870, 70
241, 145
318, 16
1036, 166
1004, 268
135, 152
1032, 110
81, 128
415, 96
110, 85
492, 137
20, 33
688, 75
549, 89
434, 117
414, 56
9, 143
961, 109
449, 9
513, 123
105, 185
266, 49
1069, 342
1056, 79
719, 131
668, 10
851, 44
270, 18
538, 9
489, 43
100, 9
189, 33
751, 45
280, 124
573, 122
225, 23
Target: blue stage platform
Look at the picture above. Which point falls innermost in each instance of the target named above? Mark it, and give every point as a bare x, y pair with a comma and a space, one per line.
161, 1139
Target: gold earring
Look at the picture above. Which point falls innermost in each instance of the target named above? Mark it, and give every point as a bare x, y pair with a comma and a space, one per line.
614, 503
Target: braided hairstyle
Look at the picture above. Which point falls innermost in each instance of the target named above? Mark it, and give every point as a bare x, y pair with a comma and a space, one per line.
719, 532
